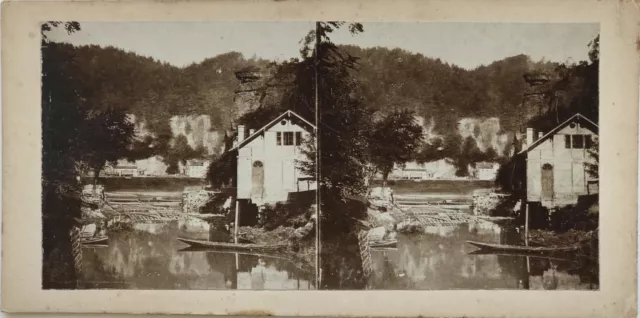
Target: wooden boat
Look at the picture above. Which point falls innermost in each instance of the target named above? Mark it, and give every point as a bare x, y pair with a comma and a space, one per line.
94, 240
383, 244
548, 256
95, 245
520, 248
231, 246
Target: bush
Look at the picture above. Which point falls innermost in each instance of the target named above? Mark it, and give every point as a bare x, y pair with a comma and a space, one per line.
215, 205
283, 214
573, 217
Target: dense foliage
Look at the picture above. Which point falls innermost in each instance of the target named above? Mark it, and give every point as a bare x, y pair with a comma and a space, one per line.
82, 129
395, 140
380, 79
153, 92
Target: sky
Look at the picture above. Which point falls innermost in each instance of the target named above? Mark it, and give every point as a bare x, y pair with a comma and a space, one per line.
467, 45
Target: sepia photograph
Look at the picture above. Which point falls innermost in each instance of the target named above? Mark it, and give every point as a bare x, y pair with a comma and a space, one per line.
292, 159
168, 168
452, 155
459, 156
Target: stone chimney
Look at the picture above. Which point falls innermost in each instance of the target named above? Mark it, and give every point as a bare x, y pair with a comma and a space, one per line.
251, 131
529, 136
240, 133
540, 134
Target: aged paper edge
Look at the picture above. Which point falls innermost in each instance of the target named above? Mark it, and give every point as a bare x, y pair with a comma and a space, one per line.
21, 261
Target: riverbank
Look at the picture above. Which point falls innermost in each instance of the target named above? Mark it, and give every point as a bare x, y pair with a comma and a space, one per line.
587, 241
435, 186
301, 252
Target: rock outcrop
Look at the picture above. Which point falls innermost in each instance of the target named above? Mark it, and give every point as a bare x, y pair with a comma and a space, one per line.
485, 202
194, 199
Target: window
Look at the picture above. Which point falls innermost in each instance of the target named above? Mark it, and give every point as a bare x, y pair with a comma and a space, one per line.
578, 142
298, 138
278, 138
288, 138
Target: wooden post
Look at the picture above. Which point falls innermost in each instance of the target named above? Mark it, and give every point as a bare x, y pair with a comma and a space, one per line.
317, 163
235, 224
527, 281
526, 225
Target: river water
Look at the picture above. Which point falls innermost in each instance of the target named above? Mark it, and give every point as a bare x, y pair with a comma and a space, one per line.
441, 259
150, 257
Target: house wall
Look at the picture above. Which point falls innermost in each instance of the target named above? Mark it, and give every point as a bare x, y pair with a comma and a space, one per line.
569, 175
279, 162
126, 172
414, 174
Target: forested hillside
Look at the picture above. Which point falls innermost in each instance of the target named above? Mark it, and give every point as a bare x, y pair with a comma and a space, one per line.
487, 98
438, 90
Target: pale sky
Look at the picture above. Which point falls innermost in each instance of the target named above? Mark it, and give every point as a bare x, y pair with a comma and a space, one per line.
467, 45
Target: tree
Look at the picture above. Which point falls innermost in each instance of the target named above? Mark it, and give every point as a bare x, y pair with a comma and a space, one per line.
394, 141
594, 153
110, 134
223, 168
61, 155
181, 149
432, 150
344, 121
82, 128
142, 148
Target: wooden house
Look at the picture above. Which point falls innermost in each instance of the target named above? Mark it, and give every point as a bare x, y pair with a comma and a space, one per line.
555, 163
267, 170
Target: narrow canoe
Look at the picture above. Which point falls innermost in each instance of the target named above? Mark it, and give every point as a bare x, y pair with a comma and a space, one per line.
380, 244
95, 246
519, 248
548, 256
231, 246
94, 240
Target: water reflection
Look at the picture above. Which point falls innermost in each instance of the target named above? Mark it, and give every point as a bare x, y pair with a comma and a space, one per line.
150, 257
440, 259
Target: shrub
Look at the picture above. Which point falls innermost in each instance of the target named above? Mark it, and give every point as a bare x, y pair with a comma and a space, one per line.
573, 217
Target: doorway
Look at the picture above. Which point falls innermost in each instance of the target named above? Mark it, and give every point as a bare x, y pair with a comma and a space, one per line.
257, 181
547, 182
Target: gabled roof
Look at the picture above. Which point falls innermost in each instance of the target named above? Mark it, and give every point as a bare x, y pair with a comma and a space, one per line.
286, 114
577, 116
